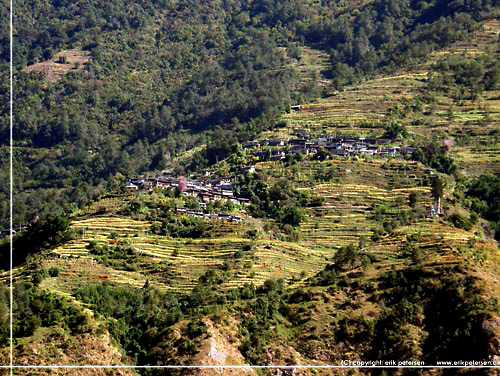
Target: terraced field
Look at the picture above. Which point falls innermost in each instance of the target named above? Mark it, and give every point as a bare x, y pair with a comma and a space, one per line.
364, 109
353, 192
346, 215
175, 263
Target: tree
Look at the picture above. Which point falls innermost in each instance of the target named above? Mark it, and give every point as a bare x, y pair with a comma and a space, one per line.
413, 199
291, 215
182, 185
437, 189
394, 130
117, 183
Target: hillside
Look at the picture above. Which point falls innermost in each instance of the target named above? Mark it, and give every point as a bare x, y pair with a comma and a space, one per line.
163, 75
406, 97
328, 307
263, 183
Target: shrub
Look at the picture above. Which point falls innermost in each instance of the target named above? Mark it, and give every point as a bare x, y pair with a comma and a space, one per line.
252, 234
291, 215
238, 254
247, 247
54, 272
414, 199
39, 276
460, 221
187, 347
195, 329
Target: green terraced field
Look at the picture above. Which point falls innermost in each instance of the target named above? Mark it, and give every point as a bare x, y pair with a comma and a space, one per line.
355, 189
363, 110
181, 269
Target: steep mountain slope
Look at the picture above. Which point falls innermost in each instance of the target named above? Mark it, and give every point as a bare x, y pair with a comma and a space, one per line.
163, 72
337, 258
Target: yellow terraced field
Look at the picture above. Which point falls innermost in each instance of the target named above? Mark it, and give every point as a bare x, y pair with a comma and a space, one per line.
353, 189
271, 258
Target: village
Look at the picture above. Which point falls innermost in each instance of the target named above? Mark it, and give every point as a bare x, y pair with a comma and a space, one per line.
209, 189
340, 146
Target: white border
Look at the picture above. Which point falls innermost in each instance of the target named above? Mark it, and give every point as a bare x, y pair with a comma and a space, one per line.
11, 183
11, 365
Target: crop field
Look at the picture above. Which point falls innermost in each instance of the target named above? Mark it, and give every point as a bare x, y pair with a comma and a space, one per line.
62, 63
352, 195
103, 206
311, 65
353, 192
174, 264
383, 173
364, 109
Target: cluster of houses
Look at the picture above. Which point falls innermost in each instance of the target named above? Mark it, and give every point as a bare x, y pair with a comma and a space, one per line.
218, 217
341, 146
206, 190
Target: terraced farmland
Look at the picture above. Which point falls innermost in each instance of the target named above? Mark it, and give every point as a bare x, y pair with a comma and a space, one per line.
175, 263
364, 109
353, 193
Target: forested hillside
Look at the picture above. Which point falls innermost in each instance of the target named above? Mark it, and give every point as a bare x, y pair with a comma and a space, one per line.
163, 75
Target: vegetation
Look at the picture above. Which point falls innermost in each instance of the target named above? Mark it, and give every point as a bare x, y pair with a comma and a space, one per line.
280, 200
484, 193
186, 227
335, 258
417, 300
43, 234
35, 309
136, 318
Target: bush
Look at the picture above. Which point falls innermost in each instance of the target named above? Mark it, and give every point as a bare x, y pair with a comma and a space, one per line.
238, 254
346, 257
395, 130
187, 347
187, 227
291, 215
54, 272
39, 276
460, 221
414, 199
272, 285
417, 256
195, 329
247, 247
252, 234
